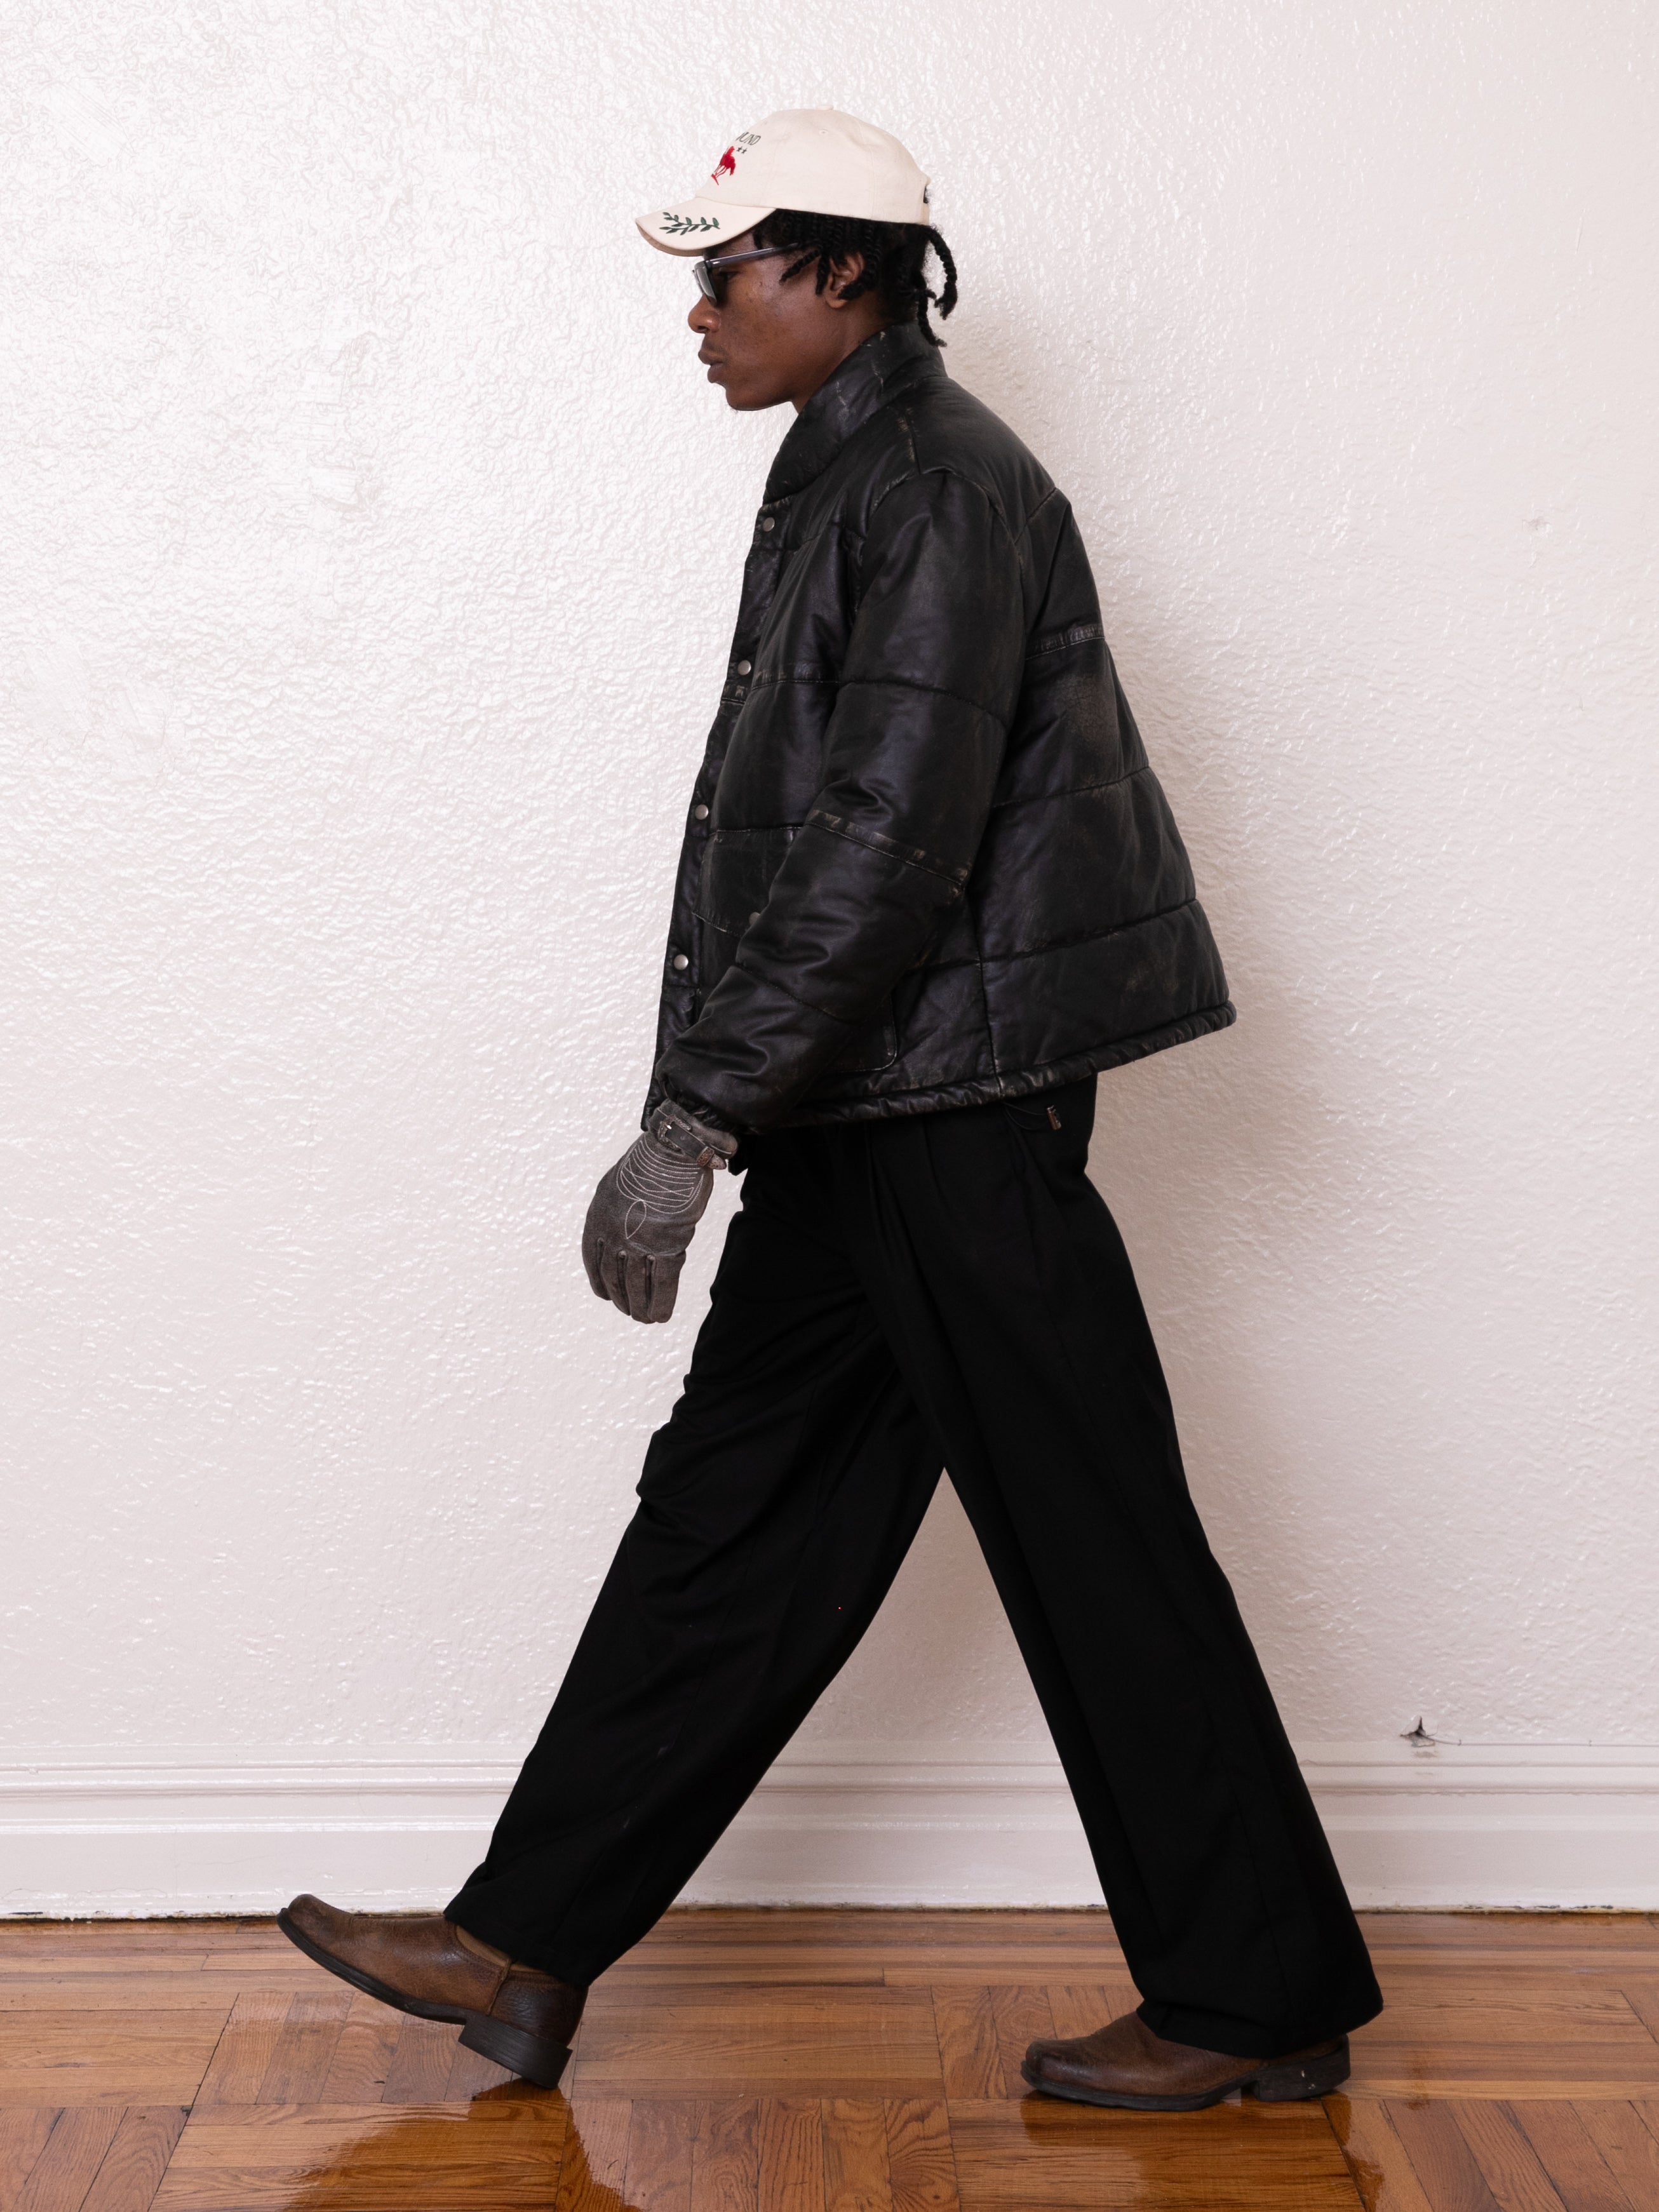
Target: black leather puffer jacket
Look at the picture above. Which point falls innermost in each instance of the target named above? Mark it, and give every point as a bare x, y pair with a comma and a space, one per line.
925, 864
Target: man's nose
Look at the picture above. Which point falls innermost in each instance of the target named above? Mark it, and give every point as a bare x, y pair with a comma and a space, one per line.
702, 317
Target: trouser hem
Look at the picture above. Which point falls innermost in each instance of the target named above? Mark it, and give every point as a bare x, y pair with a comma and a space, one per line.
503, 1938
1243, 2039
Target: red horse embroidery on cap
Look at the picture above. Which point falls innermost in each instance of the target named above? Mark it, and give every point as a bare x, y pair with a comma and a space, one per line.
726, 167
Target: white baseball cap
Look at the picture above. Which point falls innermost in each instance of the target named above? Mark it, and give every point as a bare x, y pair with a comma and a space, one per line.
814, 159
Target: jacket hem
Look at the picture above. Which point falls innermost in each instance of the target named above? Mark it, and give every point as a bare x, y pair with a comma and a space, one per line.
990, 1090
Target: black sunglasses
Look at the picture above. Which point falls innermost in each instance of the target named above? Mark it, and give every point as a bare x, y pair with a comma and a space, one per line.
710, 272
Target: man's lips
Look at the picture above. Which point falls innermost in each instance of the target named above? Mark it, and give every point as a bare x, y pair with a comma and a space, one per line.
713, 363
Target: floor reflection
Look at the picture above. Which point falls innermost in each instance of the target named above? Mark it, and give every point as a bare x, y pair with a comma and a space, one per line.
1238, 2150
513, 2149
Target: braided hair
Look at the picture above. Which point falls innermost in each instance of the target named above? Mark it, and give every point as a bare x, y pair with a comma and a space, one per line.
895, 259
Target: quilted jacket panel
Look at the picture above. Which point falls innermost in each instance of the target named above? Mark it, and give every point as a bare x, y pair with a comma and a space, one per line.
926, 862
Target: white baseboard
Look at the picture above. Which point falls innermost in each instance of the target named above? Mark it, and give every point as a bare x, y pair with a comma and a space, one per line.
1456, 1826
1463, 1826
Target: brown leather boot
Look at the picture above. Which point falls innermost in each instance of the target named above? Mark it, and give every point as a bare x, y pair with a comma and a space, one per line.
424, 1964
1125, 2063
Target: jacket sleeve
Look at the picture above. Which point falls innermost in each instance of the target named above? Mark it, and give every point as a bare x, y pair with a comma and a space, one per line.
911, 757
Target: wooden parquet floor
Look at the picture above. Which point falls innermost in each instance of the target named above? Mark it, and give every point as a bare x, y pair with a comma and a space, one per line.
812, 2062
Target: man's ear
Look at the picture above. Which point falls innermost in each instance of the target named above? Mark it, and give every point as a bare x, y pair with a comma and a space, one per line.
844, 269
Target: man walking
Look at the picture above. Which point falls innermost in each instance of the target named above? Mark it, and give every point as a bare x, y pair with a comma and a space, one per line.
929, 888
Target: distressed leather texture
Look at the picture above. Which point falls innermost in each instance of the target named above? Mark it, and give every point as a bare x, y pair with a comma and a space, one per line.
1125, 2059
926, 862
429, 1960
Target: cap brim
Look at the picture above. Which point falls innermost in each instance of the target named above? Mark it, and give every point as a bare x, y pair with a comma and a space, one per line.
697, 226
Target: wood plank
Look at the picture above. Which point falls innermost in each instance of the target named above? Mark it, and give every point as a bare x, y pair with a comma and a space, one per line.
1007, 1958
1508, 2163
1023, 2015
126, 2059
1537, 2011
1385, 1932
1440, 1975
1455, 1979
94, 1983
721, 1973
1503, 1965
1643, 1998
99, 1991
1510, 2036
69, 2159
856, 2178
135, 1944
1513, 2072
685, 1931
922, 1946
421, 2064
113, 1979
1040, 1970
727, 2043
24, 2130
281, 1962
363, 2057
1499, 1967
725, 2156
1005, 1962
1079, 2008
1382, 2173
595, 2152
919, 1973
306, 2043
660, 2135
1582, 2178
1502, 1970
471, 2074
485, 2157
1446, 2165
133, 2165
1043, 2156
165, 1934
1629, 2148
921, 2168
969, 2052
692, 1927
792, 2155
246, 2046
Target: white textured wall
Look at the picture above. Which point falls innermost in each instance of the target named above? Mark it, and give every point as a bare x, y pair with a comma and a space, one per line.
371, 544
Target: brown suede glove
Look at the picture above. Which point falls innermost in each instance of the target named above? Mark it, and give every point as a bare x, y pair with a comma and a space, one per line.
643, 1212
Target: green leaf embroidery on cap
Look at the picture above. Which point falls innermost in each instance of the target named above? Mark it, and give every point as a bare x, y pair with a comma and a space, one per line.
677, 225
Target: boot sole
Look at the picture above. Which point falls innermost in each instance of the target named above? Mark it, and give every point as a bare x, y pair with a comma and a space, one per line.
1284, 2081
538, 2058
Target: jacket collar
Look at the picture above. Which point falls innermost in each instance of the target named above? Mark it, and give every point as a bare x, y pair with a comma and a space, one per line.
877, 372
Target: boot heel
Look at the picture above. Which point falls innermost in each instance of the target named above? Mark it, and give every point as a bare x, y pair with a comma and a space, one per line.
538, 2058
1288, 2080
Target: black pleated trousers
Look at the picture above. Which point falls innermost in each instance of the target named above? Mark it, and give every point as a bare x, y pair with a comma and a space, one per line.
944, 1288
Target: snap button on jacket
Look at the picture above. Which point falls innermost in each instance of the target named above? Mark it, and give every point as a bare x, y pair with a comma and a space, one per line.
925, 863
